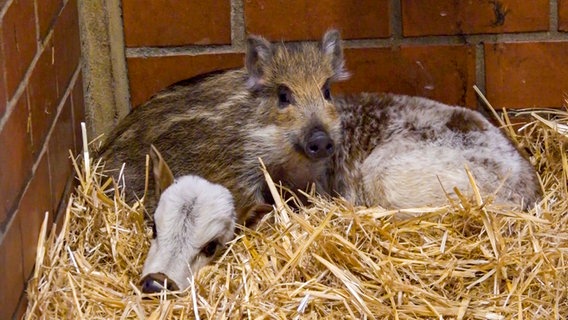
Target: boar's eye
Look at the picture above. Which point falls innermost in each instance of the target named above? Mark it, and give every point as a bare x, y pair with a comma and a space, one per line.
210, 248
326, 91
285, 96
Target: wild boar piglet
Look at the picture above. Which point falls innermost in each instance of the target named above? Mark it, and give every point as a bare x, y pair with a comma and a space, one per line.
278, 107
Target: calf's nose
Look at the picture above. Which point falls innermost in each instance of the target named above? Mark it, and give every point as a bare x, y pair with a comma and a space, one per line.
319, 145
154, 282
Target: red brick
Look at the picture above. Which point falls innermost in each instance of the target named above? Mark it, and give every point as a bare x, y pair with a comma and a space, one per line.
449, 17
78, 112
61, 141
15, 158
67, 45
12, 276
35, 202
176, 23
563, 15
47, 10
20, 43
443, 73
3, 94
43, 97
149, 75
520, 75
308, 20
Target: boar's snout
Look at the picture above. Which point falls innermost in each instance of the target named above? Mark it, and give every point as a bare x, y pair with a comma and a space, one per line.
319, 145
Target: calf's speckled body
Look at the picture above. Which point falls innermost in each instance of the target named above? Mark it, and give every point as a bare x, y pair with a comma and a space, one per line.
401, 152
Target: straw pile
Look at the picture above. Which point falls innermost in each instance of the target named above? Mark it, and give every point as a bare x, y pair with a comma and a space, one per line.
467, 260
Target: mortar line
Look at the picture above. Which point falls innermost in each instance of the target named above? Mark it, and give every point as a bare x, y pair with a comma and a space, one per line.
457, 39
553, 16
238, 29
143, 52
480, 66
395, 22
364, 43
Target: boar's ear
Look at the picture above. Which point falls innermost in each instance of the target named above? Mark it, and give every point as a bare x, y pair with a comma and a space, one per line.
163, 176
331, 47
259, 53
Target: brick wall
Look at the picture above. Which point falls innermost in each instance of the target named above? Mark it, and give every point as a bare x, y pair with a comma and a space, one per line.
514, 50
41, 103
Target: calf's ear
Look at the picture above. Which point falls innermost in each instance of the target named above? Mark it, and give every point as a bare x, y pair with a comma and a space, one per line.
163, 176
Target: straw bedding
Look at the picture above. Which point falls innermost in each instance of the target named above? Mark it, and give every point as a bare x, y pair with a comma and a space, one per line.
469, 259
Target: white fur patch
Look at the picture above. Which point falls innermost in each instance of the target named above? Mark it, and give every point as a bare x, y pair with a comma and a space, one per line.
425, 146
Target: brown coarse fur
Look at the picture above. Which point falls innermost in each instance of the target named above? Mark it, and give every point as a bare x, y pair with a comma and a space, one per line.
219, 126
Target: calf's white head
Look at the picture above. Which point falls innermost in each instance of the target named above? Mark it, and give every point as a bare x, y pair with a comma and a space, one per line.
193, 220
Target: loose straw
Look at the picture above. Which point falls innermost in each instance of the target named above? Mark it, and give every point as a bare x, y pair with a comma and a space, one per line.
466, 259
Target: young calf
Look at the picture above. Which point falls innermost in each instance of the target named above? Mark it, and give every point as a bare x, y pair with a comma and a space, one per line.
402, 152
194, 218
